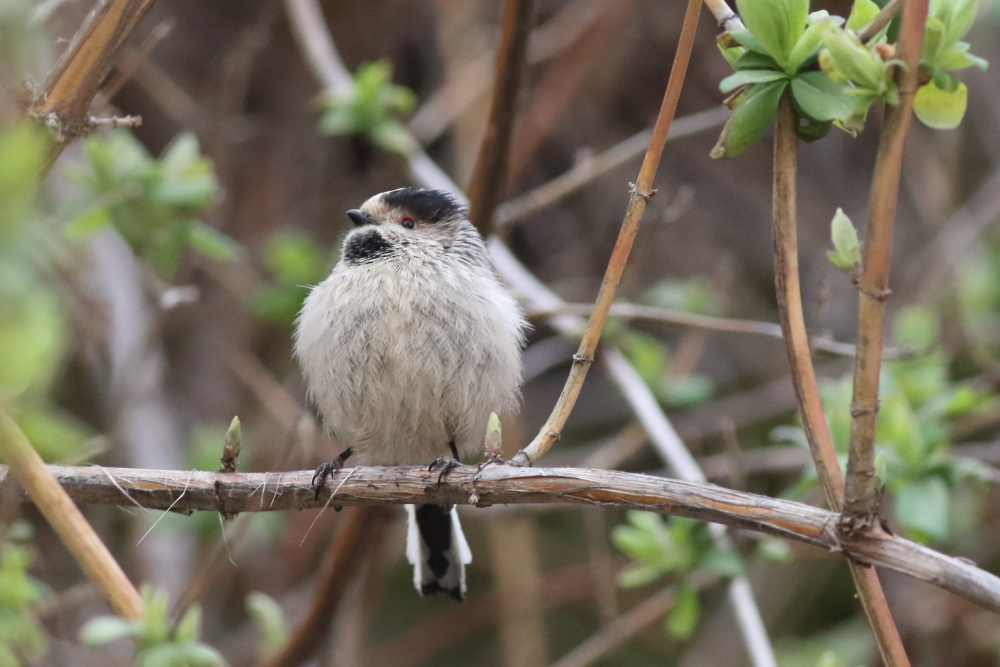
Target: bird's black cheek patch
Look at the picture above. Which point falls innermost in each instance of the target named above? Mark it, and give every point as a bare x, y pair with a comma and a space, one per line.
366, 247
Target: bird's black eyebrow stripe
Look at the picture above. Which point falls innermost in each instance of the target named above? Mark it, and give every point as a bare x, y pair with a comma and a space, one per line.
426, 205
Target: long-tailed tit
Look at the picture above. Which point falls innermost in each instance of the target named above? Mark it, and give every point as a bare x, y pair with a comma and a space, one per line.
406, 349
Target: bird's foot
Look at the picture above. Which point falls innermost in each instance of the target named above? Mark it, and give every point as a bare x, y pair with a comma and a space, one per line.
445, 465
326, 470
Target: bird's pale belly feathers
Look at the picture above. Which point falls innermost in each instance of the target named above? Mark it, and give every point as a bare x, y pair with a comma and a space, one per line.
403, 357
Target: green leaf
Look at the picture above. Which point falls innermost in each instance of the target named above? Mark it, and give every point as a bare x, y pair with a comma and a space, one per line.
852, 60
744, 77
753, 113
777, 24
723, 562
21, 156
821, 98
773, 549
210, 242
958, 57
963, 14
923, 506
916, 326
746, 39
682, 620
846, 253
189, 629
862, 13
87, 223
181, 155
270, 621
940, 109
755, 60
933, 43
639, 575
105, 629
809, 42
31, 341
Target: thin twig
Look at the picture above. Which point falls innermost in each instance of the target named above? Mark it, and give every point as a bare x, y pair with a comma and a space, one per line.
509, 485
880, 21
641, 192
632, 311
861, 492
786, 277
591, 168
491, 162
724, 15
66, 519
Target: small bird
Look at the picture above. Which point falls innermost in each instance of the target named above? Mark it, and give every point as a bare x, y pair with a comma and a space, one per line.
407, 348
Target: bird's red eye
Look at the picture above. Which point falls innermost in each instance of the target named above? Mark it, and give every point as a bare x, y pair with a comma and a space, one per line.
407, 221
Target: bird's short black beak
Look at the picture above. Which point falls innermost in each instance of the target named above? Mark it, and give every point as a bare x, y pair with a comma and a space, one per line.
359, 218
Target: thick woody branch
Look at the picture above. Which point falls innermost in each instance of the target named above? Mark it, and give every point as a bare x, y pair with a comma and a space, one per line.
230, 493
861, 493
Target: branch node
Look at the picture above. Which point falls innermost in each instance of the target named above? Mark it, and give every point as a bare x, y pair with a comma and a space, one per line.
878, 295
582, 359
632, 190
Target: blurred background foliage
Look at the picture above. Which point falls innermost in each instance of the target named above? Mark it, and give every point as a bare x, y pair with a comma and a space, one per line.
149, 285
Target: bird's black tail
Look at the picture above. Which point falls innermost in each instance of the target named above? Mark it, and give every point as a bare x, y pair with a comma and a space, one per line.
437, 549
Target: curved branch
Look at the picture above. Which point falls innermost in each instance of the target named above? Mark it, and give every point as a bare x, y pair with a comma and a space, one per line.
231, 493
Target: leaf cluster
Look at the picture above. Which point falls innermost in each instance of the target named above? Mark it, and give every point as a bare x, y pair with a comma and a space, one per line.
678, 547
22, 639
371, 109
157, 643
832, 77
294, 262
917, 404
153, 203
33, 329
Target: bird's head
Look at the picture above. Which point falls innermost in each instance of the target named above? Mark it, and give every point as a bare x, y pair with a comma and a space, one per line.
409, 218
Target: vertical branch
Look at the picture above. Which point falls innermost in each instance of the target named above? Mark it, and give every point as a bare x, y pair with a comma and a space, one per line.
641, 193
786, 282
861, 494
786, 278
491, 162
68, 522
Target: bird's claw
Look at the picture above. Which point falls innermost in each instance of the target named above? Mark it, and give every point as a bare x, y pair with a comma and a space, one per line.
445, 464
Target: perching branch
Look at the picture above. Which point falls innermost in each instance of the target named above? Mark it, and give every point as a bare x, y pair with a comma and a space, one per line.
491, 162
231, 493
641, 192
861, 493
786, 278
